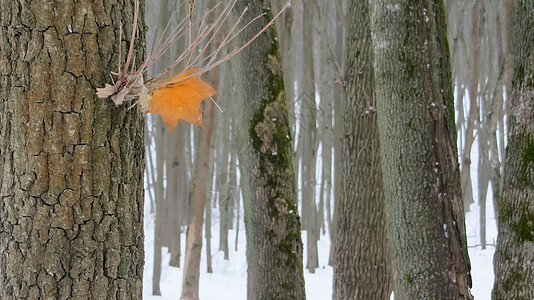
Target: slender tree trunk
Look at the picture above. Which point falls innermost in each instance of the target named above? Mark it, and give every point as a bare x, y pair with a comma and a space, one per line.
326, 72
284, 28
339, 107
274, 246
177, 186
149, 169
209, 263
425, 217
222, 178
473, 106
236, 195
197, 203
514, 256
309, 126
174, 157
71, 165
361, 259
161, 134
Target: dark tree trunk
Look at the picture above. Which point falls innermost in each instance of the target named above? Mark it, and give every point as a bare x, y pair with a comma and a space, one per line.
71, 165
514, 256
425, 216
361, 258
274, 246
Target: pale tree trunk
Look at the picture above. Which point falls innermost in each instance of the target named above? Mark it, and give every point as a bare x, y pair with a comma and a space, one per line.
326, 73
222, 179
197, 203
207, 222
311, 141
149, 168
235, 194
176, 182
473, 115
361, 258
479, 24
171, 232
284, 28
493, 117
514, 256
71, 165
274, 246
161, 135
326, 91
464, 34
425, 216
339, 95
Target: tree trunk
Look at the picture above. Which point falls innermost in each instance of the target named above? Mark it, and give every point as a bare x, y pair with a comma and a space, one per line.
339, 107
473, 106
361, 258
514, 256
71, 165
207, 221
311, 142
197, 203
177, 186
161, 134
222, 178
425, 216
274, 246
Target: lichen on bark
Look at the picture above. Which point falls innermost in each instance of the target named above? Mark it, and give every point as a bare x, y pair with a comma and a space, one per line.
274, 246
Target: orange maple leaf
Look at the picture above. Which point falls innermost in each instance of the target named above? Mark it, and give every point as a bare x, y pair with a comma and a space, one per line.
180, 99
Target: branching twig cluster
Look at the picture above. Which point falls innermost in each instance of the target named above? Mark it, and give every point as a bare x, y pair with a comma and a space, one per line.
130, 85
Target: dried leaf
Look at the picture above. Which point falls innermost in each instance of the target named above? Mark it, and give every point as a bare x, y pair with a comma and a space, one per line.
106, 91
144, 99
180, 99
124, 89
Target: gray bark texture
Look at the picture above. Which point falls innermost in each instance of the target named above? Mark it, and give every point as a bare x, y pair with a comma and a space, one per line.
514, 256
361, 258
425, 216
71, 165
274, 245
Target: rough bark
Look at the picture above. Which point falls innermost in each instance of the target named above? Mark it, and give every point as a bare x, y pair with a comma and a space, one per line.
361, 258
425, 217
514, 256
274, 246
339, 107
71, 165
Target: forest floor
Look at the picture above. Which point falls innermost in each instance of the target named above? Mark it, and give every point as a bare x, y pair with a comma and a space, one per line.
228, 280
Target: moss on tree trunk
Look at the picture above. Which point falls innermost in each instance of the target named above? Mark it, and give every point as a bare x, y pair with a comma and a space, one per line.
425, 217
514, 256
274, 246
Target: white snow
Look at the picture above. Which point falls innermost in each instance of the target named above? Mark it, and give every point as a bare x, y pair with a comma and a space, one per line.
228, 280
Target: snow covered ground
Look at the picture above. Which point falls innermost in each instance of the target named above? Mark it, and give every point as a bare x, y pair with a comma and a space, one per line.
228, 280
